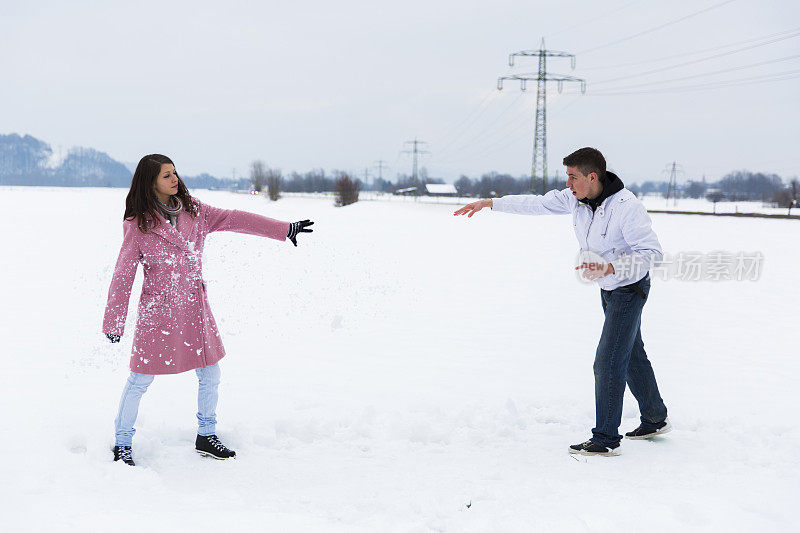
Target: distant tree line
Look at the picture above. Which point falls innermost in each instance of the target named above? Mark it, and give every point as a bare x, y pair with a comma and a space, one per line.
493, 184
344, 187
740, 185
207, 181
735, 186
25, 160
489, 184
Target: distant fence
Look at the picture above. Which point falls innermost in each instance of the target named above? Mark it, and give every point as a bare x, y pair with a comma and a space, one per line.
705, 213
370, 196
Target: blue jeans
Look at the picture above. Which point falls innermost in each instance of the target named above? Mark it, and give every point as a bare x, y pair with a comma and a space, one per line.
136, 386
621, 359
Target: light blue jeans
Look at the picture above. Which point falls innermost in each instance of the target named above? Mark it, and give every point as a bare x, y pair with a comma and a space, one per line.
136, 386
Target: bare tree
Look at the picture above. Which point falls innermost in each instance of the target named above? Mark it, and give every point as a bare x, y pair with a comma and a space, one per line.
715, 196
258, 175
787, 197
274, 183
346, 190
464, 186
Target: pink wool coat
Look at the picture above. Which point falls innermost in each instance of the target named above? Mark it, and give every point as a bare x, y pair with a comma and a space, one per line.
175, 330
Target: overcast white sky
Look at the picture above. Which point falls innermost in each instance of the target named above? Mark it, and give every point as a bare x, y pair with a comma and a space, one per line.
339, 85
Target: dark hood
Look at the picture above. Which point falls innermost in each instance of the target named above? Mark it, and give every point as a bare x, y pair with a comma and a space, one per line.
613, 185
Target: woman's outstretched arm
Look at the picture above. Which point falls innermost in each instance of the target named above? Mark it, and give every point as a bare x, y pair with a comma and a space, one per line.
243, 222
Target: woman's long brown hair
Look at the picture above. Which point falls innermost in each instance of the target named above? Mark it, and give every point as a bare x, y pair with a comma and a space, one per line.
141, 202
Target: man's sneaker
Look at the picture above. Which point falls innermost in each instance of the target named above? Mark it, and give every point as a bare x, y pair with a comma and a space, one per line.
124, 454
212, 447
643, 432
591, 448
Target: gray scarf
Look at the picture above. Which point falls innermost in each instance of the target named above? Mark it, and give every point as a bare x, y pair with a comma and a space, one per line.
172, 210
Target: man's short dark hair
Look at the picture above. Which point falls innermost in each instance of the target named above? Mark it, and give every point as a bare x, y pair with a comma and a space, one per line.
588, 160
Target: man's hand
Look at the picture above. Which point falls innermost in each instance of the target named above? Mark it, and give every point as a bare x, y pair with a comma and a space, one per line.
474, 207
593, 271
298, 227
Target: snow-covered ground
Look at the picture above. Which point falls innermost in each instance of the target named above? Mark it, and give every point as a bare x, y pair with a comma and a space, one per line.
401, 370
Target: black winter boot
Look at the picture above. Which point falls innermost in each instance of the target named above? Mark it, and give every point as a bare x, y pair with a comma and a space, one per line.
643, 432
124, 454
590, 448
212, 447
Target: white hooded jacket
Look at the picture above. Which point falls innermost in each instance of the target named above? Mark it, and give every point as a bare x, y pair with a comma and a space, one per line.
620, 230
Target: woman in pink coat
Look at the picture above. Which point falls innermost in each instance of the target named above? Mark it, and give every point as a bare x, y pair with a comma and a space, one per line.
164, 230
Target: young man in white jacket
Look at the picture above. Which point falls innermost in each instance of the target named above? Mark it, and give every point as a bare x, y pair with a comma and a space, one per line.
613, 227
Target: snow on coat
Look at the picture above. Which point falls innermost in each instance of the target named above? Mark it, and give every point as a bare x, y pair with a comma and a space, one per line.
620, 231
175, 330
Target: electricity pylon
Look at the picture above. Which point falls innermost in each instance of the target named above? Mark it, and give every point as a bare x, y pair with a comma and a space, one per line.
380, 164
672, 188
542, 77
416, 151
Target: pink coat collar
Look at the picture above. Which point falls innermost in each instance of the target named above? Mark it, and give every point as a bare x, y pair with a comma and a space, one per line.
170, 234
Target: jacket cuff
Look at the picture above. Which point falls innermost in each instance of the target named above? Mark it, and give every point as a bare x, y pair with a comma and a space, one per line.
114, 325
619, 269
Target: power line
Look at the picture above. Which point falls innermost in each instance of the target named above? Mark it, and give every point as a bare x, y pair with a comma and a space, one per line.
510, 129
485, 129
470, 123
702, 74
480, 104
656, 28
514, 124
772, 76
512, 136
696, 52
505, 142
662, 69
397, 161
595, 19
721, 84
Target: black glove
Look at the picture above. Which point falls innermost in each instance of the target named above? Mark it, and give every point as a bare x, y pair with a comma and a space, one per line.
298, 227
112, 338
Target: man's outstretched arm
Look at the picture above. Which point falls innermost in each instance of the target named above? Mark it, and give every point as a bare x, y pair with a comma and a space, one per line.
552, 203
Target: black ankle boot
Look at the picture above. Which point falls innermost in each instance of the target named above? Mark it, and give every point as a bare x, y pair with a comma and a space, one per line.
646, 432
590, 448
124, 454
212, 447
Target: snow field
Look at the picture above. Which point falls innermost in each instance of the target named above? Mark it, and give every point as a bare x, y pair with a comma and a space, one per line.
396, 366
